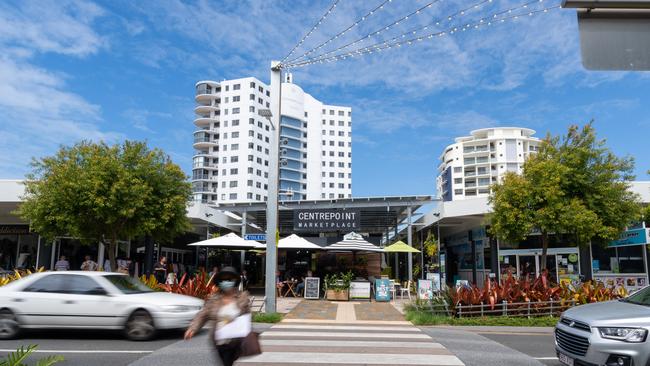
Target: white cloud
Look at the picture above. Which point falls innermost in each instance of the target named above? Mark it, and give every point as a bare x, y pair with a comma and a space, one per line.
140, 118
463, 122
37, 111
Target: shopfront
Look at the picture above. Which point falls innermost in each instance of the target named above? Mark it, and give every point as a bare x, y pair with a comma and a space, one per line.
563, 264
623, 262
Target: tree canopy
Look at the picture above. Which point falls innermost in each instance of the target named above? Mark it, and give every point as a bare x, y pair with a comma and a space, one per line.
572, 185
101, 193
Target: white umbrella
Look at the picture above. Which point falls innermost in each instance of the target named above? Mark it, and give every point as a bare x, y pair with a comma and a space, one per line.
228, 241
354, 242
294, 241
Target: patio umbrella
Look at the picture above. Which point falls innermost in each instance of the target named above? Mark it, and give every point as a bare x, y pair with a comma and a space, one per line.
400, 247
228, 241
354, 242
294, 241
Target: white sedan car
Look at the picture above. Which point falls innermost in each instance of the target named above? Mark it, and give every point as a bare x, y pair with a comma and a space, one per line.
91, 300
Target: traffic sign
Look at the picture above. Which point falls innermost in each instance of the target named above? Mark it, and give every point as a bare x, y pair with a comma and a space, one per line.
256, 237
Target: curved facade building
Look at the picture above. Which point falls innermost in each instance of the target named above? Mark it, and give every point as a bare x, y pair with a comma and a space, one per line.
468, 166
231, 143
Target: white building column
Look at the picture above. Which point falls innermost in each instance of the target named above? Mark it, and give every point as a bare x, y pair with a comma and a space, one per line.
409, 241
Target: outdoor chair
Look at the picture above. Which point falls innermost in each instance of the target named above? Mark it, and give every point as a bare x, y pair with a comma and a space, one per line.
406, 288
393, 290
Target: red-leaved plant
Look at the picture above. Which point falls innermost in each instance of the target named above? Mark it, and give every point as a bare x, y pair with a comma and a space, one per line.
201, 286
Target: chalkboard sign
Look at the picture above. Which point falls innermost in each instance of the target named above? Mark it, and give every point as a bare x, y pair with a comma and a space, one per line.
312, 288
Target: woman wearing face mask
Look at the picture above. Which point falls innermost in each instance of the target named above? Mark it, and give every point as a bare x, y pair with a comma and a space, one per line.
223, 308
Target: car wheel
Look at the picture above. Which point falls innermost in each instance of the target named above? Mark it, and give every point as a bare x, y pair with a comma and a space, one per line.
140, 326
9, 327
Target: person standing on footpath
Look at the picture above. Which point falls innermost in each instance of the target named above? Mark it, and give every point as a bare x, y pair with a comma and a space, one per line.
62, 264
223, 308
89, 264
160, 270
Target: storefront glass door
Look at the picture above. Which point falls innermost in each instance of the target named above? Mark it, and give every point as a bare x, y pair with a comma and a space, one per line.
527, 266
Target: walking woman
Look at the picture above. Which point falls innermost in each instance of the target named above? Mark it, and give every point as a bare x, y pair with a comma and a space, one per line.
224, 308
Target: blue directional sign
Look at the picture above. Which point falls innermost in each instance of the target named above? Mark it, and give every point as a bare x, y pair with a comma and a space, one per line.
256, 237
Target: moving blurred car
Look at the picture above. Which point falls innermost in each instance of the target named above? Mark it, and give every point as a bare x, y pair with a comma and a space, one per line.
612, 333
91, 300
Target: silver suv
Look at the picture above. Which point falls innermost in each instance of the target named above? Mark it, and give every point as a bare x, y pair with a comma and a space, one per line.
611, 333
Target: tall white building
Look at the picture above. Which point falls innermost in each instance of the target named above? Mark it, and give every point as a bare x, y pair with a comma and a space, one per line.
231, 143
468, 166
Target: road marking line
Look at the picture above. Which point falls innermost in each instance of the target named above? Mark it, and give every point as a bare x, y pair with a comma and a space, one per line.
346, 327
546, 358
272, 333
77, 351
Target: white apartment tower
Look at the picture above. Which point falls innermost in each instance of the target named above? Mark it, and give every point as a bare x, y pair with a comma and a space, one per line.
468, 166
231, 143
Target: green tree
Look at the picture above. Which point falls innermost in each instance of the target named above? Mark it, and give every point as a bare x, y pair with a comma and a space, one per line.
573, 185
96, 192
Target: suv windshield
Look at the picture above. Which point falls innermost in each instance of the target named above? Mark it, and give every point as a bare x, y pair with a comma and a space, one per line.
127, 284
641, 297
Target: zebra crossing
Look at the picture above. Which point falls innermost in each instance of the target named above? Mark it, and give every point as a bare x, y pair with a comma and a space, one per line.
355, 343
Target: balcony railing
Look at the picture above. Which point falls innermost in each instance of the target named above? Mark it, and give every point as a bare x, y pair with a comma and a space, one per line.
202, 139
200, 176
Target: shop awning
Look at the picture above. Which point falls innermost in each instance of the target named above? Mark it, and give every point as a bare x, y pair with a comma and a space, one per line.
229, 241
400, 247
353, 242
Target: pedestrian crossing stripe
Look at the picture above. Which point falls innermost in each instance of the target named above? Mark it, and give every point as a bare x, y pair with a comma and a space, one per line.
297, 344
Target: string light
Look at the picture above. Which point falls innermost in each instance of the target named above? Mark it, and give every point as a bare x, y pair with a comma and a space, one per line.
452, 30
414, 30
341, 33
304, 38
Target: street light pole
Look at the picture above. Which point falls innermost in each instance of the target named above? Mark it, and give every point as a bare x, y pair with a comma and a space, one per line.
273, 190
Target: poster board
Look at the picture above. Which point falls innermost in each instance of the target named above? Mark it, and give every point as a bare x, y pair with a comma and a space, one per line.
382, 289
360, 290
312, 288
425, 289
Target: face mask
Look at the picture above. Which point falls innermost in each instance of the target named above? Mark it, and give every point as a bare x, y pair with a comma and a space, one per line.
226, 285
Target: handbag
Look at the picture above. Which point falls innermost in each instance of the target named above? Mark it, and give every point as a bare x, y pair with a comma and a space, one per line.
250, 345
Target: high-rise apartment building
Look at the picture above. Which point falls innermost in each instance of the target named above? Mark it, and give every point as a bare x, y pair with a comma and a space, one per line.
231, 158
470, 165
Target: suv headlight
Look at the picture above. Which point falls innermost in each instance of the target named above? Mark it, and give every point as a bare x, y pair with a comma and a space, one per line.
179, 308
632, 335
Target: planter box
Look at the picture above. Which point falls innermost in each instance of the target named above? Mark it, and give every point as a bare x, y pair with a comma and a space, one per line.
337, 295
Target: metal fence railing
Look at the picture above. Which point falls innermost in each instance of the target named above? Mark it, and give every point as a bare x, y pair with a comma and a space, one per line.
522, 309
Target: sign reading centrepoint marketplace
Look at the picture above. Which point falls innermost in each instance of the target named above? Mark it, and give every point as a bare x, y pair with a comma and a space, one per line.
326, 220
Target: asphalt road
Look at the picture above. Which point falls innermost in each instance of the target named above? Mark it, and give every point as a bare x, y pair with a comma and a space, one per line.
100, 348
538, 346
110, 348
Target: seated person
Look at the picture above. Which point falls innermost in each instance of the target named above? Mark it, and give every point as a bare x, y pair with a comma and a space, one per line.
279, 284
301, 286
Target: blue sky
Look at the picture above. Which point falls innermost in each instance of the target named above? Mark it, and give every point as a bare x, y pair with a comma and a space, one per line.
124, 69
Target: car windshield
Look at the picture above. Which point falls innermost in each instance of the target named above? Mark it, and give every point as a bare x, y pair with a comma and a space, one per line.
128, 285
641, 297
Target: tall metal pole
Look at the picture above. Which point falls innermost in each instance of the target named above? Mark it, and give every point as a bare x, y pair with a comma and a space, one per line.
272, 200
409, 239
242, 254
438, 246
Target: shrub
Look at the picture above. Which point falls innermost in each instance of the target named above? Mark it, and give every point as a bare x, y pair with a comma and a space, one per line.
17, 357
201, 286
339, 281
267, 317
539, 290
18, 274
150, 282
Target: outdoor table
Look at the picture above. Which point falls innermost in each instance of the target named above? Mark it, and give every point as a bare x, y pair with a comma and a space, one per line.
290, 288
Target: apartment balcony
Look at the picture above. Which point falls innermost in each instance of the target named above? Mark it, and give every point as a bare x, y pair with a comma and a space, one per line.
204, 142
470, 173
203, 109
202, 122
201, 177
